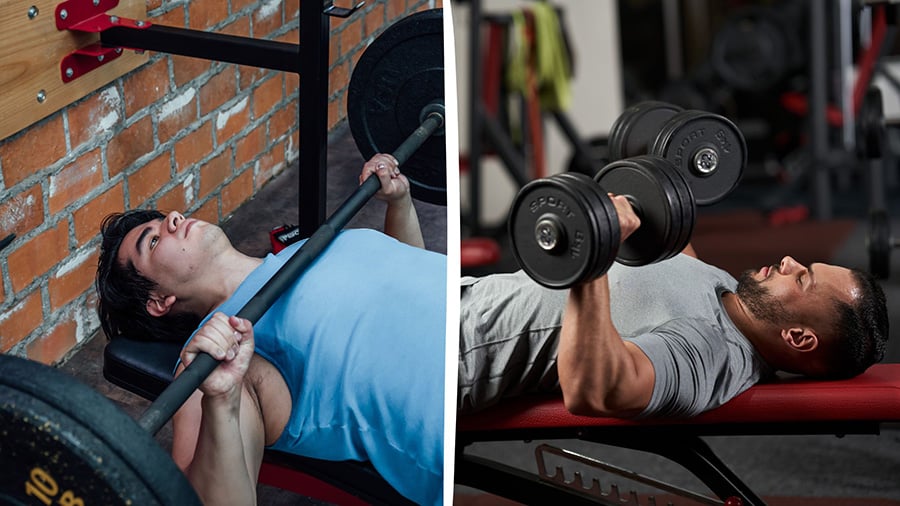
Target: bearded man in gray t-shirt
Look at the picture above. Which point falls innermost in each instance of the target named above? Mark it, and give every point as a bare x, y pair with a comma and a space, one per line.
675, 338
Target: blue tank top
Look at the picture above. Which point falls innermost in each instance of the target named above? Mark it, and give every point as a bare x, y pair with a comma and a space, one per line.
359, 340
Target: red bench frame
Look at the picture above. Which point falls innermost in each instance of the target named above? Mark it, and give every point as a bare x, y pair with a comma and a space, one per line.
794, 406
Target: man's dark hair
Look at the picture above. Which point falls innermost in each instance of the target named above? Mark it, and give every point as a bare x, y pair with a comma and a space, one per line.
861, 331
124, 292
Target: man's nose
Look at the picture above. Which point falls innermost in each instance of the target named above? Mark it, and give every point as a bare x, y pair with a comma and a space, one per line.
172, 220
788, 265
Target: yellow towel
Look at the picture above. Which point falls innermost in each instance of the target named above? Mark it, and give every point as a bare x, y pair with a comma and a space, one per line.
552, 66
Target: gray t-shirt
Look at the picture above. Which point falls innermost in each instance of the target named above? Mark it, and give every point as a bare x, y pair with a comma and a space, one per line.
672, 310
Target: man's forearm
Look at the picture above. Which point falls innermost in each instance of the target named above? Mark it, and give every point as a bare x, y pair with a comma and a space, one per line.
402, 222
219, 469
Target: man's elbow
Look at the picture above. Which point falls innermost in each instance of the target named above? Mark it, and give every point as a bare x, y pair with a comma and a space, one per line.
583, 400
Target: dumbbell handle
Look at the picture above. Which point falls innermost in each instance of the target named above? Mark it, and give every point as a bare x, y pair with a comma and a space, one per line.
168, 402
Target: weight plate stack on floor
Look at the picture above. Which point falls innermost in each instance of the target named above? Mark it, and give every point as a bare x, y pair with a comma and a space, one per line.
708, 150
395, 78
61, 441
563, 232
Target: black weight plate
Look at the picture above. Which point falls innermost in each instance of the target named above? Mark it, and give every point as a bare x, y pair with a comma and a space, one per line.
688, 136
685, 215
61, 441
579, 248
870, 125
878, 244
400, 73
752, 51
657, 202
606, 223
637, 126
662, 169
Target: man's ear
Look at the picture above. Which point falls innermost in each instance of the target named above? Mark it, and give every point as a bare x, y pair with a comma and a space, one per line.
160, 305
800, 338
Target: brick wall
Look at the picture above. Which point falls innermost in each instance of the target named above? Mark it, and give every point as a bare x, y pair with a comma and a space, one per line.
177, 133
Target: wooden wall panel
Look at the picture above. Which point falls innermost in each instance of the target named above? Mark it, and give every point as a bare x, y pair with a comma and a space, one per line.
30, 53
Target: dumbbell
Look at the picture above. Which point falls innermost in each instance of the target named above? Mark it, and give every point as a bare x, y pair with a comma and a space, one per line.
879, 243
564, 229
708, 149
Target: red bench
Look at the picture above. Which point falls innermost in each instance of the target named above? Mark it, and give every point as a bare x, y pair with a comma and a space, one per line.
786, 406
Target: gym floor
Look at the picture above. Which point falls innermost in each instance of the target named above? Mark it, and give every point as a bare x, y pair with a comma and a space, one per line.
788, 470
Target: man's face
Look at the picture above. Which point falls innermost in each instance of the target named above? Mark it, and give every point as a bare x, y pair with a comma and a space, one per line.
171, 251
789, 292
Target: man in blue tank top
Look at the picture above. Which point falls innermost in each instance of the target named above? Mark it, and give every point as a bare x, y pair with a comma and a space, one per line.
348, 364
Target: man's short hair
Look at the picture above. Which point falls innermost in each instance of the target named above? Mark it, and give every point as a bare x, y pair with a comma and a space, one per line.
124, 292
861, 331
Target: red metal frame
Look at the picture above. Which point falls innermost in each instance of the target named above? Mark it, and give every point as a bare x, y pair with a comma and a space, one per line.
89, 16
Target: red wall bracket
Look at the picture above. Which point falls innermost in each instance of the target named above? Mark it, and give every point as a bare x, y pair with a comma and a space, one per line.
89, 16
81, 61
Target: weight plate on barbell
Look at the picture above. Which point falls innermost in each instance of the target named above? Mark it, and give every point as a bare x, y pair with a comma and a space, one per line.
396, 77
637, 126
659, 202
708, 150
61, 441
561, 231
878, 244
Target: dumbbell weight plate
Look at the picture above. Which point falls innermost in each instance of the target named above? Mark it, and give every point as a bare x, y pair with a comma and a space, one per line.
686, 213
878, 243
636, 128
708, 150
604, 214
562, 231
663, 203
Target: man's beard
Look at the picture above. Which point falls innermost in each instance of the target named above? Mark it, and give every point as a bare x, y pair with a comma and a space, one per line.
759, 301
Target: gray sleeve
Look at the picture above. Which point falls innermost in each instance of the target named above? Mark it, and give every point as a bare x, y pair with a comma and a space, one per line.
690, 361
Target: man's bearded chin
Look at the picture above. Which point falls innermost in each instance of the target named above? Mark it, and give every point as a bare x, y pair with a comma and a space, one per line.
761, 304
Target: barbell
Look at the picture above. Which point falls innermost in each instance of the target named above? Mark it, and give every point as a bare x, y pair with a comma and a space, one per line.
63, 443
564, 229
708, 149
